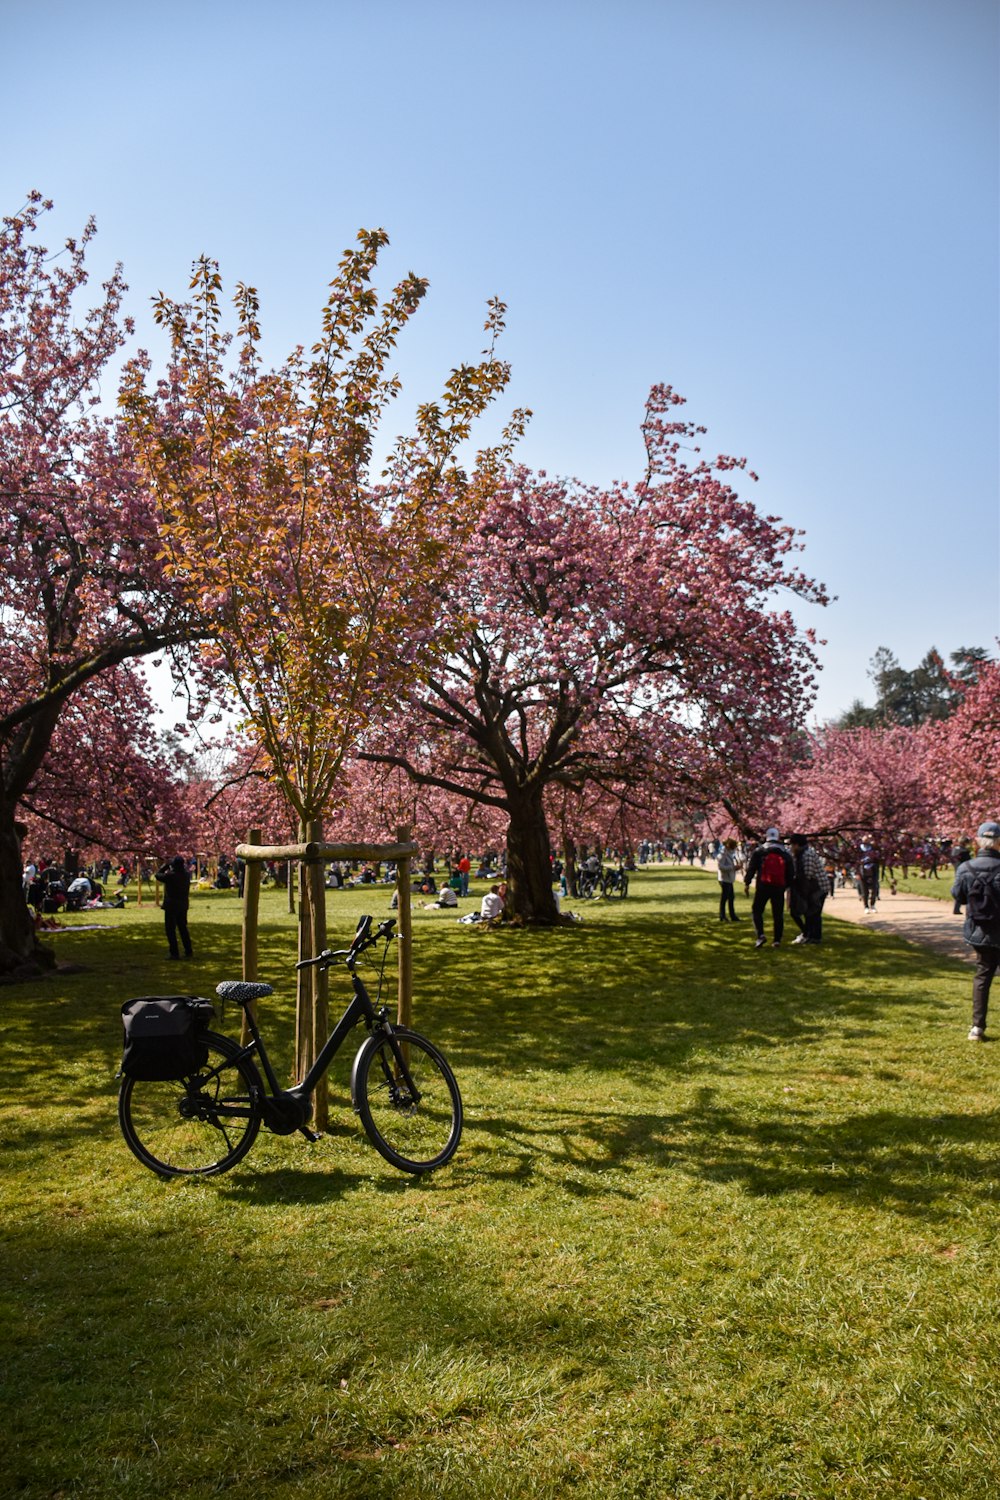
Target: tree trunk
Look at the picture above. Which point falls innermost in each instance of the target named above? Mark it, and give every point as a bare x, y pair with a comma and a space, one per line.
570, 862
529, 865
19, 950
315, 873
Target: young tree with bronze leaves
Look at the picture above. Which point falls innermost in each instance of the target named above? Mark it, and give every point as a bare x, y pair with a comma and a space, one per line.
83, 590
324, 581
621, 636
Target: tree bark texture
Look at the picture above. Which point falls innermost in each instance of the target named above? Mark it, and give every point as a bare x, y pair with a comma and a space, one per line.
19, 949
530, 897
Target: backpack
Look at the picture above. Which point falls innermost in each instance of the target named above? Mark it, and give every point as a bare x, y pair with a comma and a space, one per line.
164, 1037
983, 900
772, 868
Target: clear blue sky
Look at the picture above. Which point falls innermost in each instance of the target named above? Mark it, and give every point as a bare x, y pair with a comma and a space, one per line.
787, 209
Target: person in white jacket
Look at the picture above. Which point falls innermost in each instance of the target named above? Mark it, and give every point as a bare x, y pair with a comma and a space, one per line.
492, 904
726, 860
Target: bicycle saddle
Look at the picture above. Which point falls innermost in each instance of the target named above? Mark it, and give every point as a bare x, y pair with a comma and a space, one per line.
242, 991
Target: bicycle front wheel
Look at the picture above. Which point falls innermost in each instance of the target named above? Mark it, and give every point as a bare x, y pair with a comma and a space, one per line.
198, 1125
408, 1100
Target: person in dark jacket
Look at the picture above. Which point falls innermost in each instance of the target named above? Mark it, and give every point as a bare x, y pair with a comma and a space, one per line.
809, 891
868, 867
984, 938
176, 882
774, 868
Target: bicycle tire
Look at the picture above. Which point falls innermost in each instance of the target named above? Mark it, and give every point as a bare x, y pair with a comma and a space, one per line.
176, 1128
413, 1137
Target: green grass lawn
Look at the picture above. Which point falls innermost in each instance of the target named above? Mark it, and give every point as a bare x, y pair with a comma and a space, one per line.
916, 885
723, 1223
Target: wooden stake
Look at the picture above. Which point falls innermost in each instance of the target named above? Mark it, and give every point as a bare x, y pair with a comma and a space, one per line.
251, 910
304, 1037
314, 878
404, 1004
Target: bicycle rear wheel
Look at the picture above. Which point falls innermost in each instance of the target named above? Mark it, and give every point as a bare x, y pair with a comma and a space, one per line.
418, 1128
198, 1125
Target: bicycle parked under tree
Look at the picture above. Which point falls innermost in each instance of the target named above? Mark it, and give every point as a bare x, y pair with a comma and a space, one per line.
206, 1121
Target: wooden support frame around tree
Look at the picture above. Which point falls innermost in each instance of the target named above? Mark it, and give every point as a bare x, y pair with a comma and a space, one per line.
312, 1005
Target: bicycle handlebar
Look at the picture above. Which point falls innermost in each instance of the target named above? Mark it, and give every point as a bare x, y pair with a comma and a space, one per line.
363, 938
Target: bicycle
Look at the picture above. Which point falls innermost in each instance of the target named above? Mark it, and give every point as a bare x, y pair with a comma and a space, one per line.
616, 882
401, 1087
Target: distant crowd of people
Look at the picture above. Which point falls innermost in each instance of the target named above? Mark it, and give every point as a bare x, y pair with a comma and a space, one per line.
791, 875
53, 886
787, 875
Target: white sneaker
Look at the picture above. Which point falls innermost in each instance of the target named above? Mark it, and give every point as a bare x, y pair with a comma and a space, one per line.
800, 939
759, 943
977, 1034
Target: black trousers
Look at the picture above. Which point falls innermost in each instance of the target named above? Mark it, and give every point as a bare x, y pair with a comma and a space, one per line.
987, 961
726, 899
775, 894
176, 923
807, 909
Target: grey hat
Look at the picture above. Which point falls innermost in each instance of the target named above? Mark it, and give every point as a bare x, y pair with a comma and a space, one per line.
989, 830
772, 836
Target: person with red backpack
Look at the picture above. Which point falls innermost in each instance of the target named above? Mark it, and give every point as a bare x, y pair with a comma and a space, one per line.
977, 888
774, 868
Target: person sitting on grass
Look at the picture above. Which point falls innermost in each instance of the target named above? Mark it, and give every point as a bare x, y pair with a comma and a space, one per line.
492, 905
446, 897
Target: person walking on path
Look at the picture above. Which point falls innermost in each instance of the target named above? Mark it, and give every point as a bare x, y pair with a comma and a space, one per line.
809, 890
176, 882
774, 869
726, 860
868, 877
977, 888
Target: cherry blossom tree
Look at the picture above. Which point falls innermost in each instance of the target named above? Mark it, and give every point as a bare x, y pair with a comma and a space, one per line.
106, 783
378, 797
83, 590
963, 754
618, 636
866, 783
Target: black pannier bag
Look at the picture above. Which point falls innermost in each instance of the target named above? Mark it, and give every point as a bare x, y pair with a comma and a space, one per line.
164, 1036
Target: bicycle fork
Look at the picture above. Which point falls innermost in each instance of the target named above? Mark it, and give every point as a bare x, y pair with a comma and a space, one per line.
400, 1052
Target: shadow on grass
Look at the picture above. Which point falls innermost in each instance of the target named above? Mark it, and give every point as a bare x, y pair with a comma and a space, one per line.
320, 1183
646, 988
911, 1164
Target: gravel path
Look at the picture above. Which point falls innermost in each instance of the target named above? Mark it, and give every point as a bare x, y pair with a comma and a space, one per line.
919, 919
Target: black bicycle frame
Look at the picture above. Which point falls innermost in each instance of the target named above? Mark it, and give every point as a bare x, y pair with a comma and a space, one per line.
359, 1009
